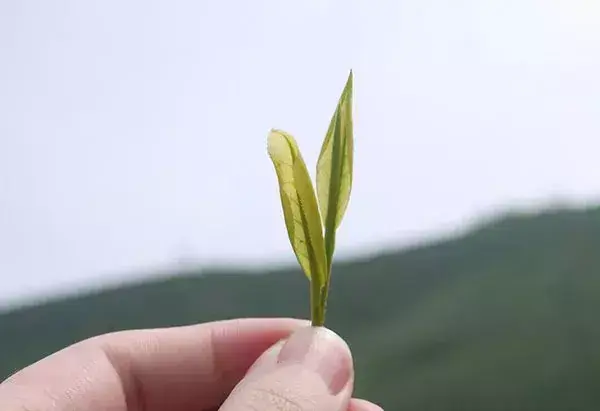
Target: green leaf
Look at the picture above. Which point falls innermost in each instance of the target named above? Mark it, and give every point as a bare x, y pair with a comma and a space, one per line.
299, 203
334, 170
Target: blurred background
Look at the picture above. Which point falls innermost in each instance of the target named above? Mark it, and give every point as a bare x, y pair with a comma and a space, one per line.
135, 188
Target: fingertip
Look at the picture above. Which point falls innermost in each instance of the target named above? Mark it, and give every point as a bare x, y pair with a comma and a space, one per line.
310, 369
322, 350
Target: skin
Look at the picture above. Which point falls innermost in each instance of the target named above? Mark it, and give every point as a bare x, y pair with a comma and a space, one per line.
235, 365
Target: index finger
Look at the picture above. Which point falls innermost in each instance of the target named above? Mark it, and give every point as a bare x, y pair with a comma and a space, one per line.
179, 368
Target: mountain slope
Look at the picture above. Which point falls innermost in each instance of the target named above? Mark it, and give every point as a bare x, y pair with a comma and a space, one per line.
500, 318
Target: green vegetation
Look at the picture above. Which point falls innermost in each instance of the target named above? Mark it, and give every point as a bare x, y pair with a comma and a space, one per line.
299, 202
502, 318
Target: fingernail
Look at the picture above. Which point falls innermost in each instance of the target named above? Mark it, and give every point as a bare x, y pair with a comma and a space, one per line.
320, 350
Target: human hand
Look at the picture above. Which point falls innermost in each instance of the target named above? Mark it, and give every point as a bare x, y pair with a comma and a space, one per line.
235, 365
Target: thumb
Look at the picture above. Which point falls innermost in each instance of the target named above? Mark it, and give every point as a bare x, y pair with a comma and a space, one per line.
310, 371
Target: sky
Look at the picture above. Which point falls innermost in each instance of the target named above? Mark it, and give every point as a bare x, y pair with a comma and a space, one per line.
133, 134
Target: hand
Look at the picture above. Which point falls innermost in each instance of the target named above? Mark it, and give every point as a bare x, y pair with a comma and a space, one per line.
236, 365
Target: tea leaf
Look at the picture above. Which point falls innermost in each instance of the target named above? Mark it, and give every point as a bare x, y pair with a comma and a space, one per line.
334, 170
299, 203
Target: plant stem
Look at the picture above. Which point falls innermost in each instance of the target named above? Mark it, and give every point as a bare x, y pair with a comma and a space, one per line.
316, 306
329, 247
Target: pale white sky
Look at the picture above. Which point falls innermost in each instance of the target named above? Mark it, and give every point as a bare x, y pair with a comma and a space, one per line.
134, 133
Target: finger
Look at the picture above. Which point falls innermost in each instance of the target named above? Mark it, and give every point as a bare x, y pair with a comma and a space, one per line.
180, 368
311, 371
363, 405
357, 404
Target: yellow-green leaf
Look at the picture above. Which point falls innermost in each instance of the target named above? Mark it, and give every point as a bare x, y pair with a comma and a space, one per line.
334, 168
299, 203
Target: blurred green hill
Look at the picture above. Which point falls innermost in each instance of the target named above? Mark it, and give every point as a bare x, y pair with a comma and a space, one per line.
501, 318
